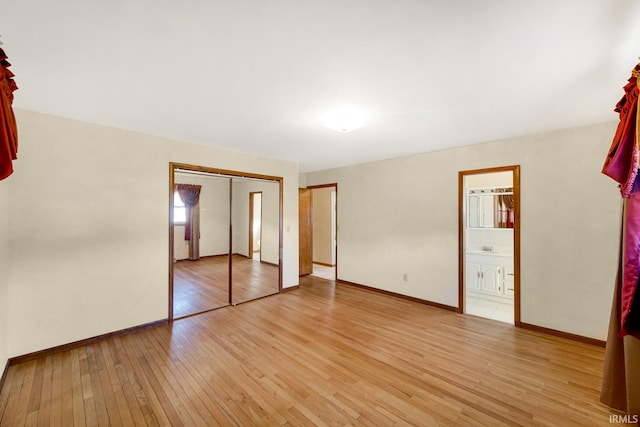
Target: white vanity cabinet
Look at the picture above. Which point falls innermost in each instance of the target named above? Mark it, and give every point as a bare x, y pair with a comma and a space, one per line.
490, 274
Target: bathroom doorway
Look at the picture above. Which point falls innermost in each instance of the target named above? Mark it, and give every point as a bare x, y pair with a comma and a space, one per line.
489, 243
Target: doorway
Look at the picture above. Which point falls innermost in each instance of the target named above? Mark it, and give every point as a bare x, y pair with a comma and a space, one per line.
318, 210
489, 243
222, 270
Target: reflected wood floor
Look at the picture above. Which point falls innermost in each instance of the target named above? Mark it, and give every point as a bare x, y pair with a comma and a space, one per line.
204, 284
322, 354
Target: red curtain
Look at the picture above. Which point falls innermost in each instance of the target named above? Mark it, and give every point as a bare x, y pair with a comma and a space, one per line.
8, 127
621, 375
190, 195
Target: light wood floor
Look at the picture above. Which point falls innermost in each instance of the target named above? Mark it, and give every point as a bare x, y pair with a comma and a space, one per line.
204, 284
319, 355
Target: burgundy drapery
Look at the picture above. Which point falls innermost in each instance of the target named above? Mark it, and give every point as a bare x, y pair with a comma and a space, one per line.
621, 377
503, 208
8, 126
190, 195
621, 163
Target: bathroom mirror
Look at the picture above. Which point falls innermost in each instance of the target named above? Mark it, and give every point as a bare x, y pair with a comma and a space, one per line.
490, 207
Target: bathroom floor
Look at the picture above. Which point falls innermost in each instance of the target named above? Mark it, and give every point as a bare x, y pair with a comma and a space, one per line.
502, 312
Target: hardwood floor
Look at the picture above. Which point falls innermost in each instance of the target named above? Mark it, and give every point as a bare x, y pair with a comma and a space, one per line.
318, 355
204, 284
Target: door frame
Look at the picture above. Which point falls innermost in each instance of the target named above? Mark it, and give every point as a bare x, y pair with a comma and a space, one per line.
515, 169
251, 208
173, 167
312, 187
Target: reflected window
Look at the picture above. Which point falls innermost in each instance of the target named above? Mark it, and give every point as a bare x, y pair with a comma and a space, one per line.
179, 210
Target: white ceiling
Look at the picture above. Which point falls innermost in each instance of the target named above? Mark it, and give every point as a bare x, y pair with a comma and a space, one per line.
256, 75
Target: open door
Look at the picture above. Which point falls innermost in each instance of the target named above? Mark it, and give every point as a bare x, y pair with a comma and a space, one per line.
304, 232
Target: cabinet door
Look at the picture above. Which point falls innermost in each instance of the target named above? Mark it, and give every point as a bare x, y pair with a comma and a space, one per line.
490, 275
488, 212
473, 276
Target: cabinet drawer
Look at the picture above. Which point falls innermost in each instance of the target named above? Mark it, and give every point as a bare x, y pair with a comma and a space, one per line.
508, 281
509, 273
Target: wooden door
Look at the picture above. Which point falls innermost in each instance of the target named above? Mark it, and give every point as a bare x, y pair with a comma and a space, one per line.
304, 232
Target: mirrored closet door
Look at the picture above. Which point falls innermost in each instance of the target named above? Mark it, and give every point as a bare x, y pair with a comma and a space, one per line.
225, 238
255, 242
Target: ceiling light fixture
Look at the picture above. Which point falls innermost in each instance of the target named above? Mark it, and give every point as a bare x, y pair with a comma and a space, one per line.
344, 119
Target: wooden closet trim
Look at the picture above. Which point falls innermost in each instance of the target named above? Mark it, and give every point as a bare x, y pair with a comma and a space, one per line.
173, 167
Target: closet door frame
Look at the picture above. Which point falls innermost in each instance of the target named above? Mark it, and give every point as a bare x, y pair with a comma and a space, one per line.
173, 167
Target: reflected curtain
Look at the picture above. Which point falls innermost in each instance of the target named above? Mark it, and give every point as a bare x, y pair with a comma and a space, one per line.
503, 209
507, 199
8, 127
497, 211
621, 377
190, 195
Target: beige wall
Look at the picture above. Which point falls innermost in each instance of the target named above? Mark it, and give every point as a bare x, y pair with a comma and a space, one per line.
4, 271
89, 227
401, 216
322, 222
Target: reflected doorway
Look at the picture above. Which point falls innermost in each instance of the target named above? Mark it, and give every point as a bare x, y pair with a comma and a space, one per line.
255, 224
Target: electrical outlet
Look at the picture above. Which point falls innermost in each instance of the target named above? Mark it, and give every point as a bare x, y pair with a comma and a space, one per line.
405, 277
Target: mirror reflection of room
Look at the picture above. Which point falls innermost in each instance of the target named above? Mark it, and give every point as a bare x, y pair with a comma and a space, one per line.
201, 245
489, 244
256, 233
226, 240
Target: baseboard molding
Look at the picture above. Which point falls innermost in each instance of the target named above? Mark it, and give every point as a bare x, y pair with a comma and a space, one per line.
221, 255
394, 294
562, 334
242, 255
202, 256
4, 374
291, 288
323, 263
523, 325
70, 346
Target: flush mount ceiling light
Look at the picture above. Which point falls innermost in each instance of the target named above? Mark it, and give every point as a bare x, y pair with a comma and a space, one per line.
344, 119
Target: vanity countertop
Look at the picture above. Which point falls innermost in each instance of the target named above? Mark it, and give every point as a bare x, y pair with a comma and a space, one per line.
488, 253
